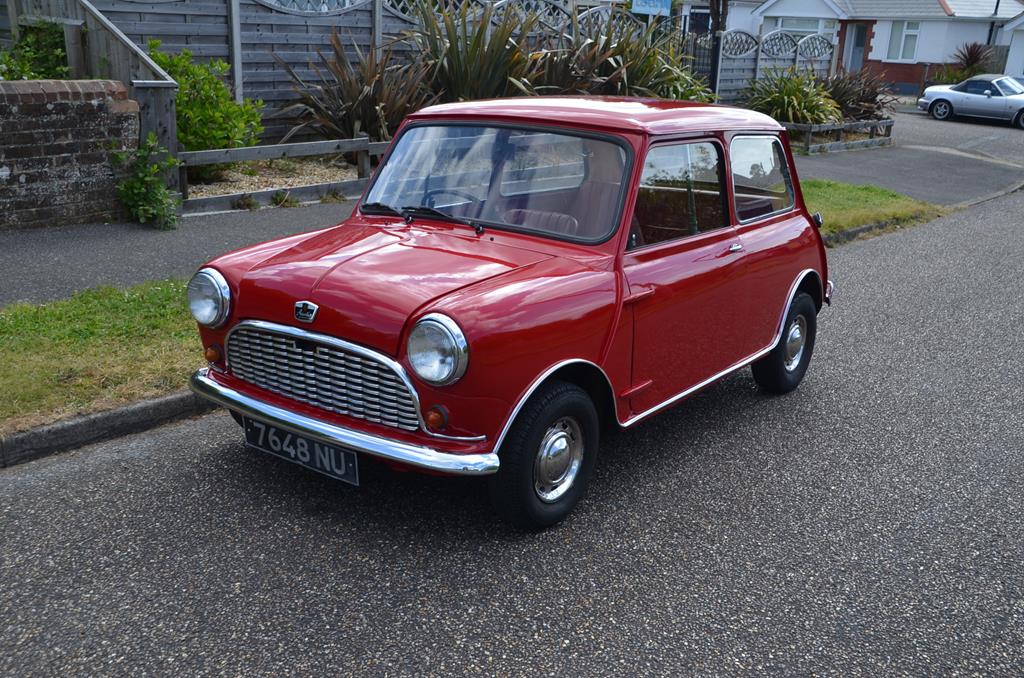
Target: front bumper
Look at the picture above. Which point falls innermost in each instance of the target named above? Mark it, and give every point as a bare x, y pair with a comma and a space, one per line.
392, 450
923, 104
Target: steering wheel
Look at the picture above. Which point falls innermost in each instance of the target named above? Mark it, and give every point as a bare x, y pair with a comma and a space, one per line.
428, 197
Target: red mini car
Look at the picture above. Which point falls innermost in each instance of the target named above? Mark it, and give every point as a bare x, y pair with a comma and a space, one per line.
519, 273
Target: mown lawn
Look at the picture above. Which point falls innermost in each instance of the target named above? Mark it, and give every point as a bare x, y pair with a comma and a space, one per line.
847, 206
96, 350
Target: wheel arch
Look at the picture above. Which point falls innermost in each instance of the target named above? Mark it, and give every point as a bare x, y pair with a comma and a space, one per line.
583, 373
811, 284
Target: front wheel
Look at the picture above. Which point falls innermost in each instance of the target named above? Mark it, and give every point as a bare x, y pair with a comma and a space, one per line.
547, 458
784, 367
942, 110
1019, 122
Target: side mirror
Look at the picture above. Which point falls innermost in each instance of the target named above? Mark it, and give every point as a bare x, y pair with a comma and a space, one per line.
988, 93
818, 220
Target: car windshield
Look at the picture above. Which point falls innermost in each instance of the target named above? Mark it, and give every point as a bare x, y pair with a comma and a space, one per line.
551, 183
1009, 86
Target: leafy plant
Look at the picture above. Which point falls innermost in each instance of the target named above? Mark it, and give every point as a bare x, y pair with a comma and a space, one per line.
208, 116
792, 95
370, 96
860, 95
144, 189
38, 54
283, 198
623, 60
471, 53
973, 58
245, 202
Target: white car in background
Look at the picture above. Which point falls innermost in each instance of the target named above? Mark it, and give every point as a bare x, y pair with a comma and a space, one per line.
998, 97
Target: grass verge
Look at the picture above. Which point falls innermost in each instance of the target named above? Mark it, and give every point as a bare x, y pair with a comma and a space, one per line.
848, 206
97, 350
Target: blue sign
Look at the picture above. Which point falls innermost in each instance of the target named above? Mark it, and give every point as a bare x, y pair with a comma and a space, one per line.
652, 7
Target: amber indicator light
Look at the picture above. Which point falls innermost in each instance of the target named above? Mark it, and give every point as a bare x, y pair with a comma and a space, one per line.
436, 418
212, 354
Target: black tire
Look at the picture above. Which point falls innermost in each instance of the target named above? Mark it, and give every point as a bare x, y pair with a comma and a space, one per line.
941, 112
777, 372
1019, 122
514, 489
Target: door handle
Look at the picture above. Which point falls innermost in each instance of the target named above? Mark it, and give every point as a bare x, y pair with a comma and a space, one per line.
735, 247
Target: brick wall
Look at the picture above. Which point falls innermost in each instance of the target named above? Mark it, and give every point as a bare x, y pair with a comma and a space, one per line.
56, 140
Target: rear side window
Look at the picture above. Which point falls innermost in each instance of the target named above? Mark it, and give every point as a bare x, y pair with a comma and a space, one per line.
680, 194
760, 177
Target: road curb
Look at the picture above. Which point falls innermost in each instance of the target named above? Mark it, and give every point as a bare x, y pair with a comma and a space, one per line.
69, 434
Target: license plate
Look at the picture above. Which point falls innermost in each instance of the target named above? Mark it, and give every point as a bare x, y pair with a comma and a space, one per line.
333, 461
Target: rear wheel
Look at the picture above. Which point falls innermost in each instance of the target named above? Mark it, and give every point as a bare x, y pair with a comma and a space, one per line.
1019, 122
941, 110
547, 458
784, 367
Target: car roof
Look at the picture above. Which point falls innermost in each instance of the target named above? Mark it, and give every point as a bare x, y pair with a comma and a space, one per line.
988, 77
649, 116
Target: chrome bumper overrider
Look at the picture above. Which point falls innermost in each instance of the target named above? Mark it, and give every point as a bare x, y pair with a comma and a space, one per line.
406, 453
830, 289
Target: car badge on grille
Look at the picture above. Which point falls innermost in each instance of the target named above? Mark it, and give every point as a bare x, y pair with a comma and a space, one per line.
305, 311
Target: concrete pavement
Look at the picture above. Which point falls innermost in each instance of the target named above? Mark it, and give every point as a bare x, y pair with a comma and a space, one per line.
871, 523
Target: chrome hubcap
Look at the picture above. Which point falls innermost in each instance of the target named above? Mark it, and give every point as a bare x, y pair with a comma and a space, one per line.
796, 337
941, 110
558, 459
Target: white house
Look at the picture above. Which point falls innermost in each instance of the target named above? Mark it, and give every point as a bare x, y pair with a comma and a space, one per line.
1015, 60
901, 39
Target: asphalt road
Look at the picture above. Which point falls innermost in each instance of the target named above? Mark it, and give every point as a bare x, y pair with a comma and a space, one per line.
946, 163
52, 263
870, 523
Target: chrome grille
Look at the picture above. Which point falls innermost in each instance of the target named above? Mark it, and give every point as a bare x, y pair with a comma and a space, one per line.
323, 375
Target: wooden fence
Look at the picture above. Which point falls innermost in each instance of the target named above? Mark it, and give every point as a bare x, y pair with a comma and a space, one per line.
746, 57
364, 150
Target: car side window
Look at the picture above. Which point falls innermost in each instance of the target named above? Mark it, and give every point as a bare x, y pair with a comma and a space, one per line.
760, 177
979, 87
680, 194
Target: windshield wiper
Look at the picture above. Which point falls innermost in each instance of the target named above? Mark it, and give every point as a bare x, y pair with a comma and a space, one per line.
379, 208
410, 211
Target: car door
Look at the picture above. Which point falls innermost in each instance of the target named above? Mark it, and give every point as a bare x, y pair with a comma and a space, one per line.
680, 267
974, 101
777, 238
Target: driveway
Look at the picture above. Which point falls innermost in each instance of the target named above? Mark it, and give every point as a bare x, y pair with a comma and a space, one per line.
871, 523
946, 163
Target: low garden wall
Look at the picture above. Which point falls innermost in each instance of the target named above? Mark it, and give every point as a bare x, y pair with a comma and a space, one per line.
56, 142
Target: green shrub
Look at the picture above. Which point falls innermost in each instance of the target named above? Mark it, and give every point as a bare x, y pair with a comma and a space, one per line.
623, 60
948, 75
371, 96
208, 115
973, 58
860, 95
144, 189
792, 95
470, 54
38, 54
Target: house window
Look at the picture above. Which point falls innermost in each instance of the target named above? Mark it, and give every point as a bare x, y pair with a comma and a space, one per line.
800, 27
903, 40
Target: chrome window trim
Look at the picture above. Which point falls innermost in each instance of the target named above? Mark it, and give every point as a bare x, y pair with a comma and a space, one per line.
367, 353
331, 434
788, 176
458, 337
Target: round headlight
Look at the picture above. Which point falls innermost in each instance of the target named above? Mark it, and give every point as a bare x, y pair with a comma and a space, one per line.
209, 298
438, 351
